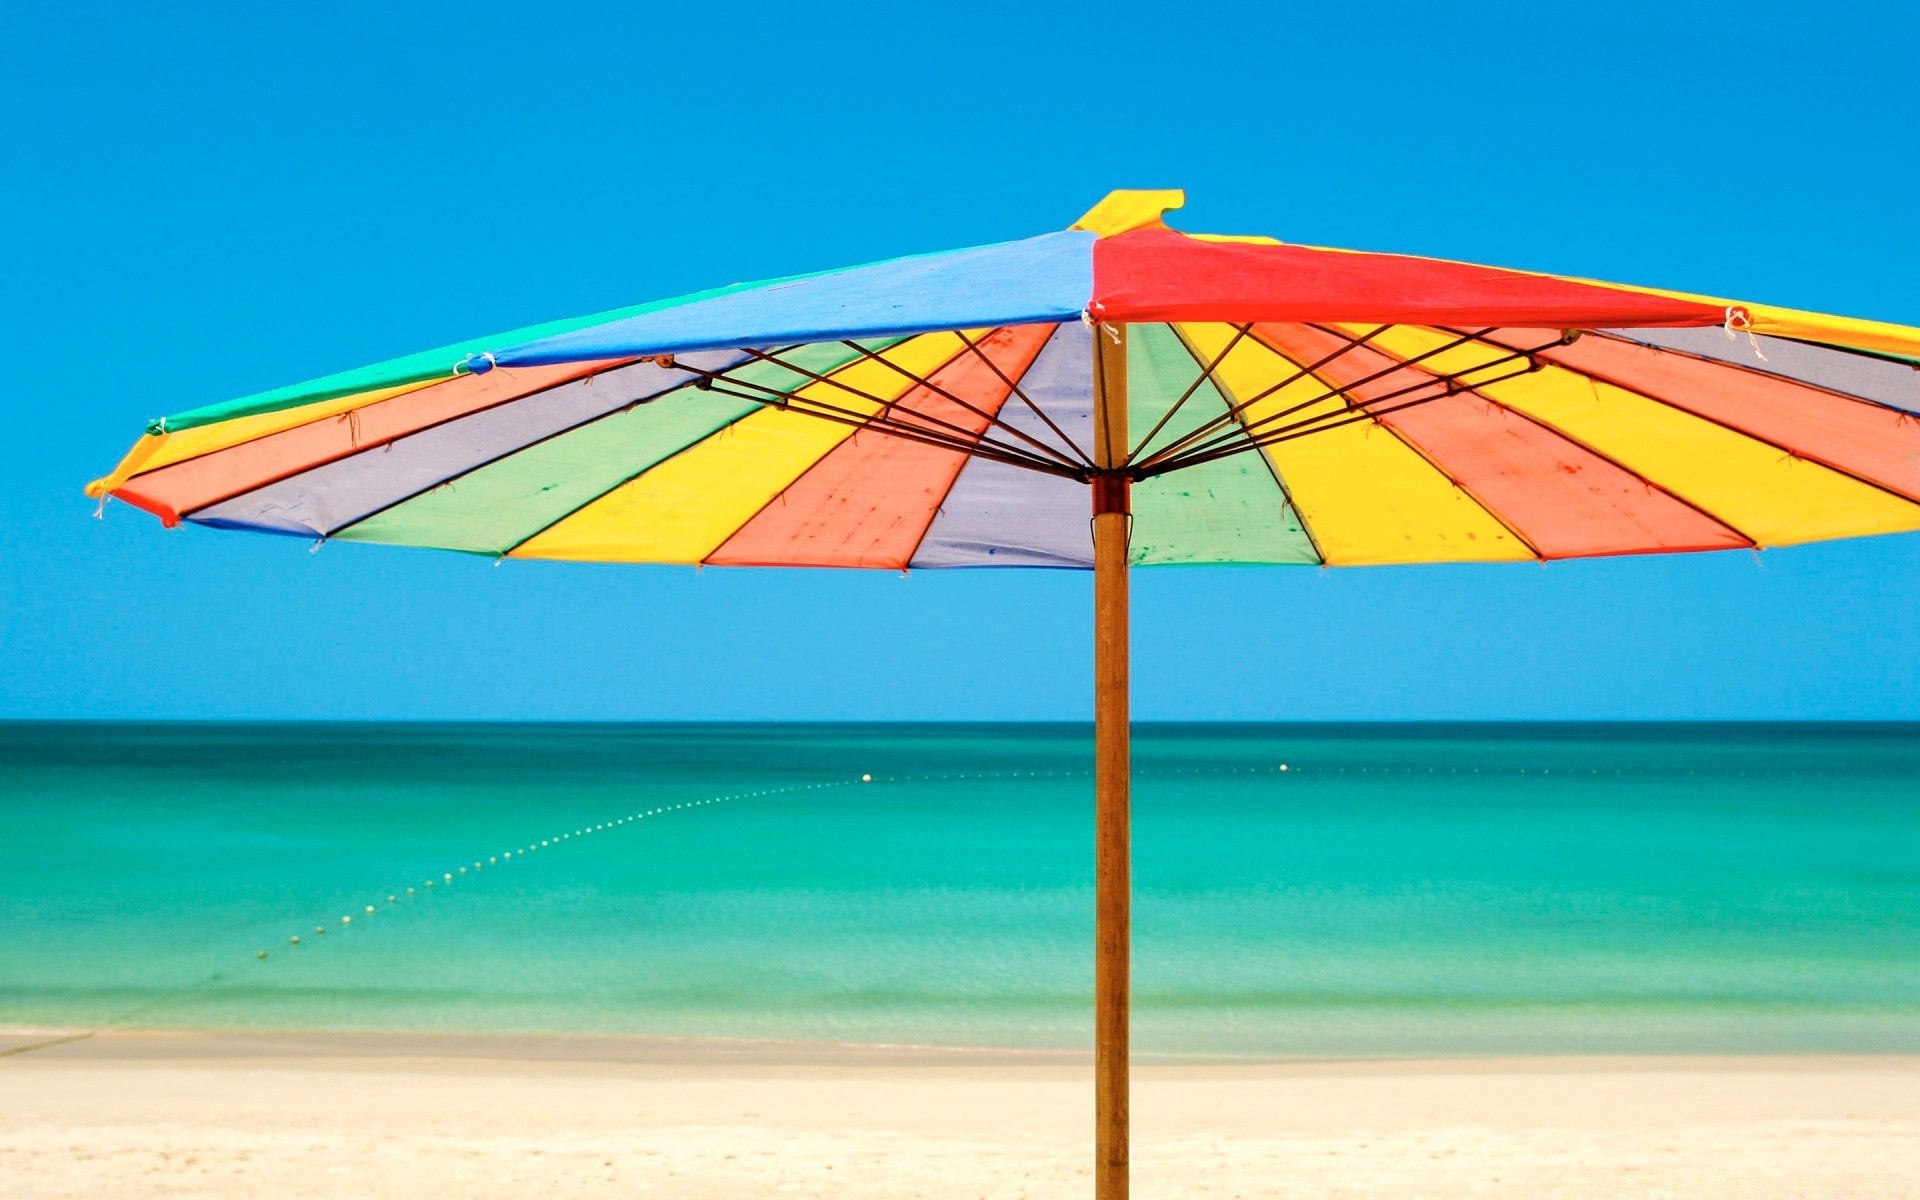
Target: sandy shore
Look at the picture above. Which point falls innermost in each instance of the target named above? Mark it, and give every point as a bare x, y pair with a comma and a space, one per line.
172, 1115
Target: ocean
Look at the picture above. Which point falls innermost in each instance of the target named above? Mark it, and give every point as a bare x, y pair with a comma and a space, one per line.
1395, 890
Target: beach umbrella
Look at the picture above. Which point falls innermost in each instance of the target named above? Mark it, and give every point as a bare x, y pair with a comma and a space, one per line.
1110, 395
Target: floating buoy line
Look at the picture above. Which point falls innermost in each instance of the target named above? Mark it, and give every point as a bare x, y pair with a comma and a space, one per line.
398, 896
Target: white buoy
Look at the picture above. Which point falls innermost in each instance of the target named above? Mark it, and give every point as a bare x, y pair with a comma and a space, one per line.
409, 891
295, 939
448, 875
492, 858
866, 779
346, 920
369, 909
429, 883
320, 930
1284, 767
463, 871
393, 899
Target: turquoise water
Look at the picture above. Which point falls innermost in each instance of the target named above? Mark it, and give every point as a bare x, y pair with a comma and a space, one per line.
1401, 889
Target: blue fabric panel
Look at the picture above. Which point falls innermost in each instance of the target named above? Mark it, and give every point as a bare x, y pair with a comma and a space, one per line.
1005, 516
334, 495
1047, 278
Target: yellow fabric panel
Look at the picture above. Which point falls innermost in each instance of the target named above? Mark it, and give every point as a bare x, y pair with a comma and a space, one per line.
1125, 210
1760, 490
157, 450
1882, 337
1365, 495
681, 510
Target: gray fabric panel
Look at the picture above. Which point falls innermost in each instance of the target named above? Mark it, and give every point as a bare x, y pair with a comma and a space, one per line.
1883, 381
1007, 516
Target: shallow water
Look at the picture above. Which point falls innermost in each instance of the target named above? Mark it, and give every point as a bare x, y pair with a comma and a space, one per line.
1400, 889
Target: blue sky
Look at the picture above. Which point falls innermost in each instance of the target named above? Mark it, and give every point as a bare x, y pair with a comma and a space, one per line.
203, 201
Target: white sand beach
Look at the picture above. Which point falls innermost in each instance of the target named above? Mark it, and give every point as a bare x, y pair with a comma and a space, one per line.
229, 1115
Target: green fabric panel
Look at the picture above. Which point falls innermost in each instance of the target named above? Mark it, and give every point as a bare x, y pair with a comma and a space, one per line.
498, 506
1228, 511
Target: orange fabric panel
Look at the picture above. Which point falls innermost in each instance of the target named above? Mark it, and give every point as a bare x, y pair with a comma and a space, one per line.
1565, 500
194, 483
869, 502
1856, 437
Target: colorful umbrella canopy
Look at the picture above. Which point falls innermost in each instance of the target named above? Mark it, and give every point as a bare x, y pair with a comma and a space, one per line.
1244, 400
1289, 404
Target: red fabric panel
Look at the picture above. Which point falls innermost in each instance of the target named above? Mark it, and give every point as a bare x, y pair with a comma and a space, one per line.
1566, 501
870, 500
1865, 440
197, 482
1161, 275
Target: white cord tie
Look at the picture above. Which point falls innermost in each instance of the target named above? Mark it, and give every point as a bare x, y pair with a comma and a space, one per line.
1739, 319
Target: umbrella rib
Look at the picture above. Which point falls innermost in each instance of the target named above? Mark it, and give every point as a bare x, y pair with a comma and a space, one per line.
1248, 428
961, 437
1027, 400
1335, 420
1049, 451
1345, 393
1181, 444
1206, 373
889, 406
840, 416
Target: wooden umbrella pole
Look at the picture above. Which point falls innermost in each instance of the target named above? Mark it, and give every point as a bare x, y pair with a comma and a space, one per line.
1113, 873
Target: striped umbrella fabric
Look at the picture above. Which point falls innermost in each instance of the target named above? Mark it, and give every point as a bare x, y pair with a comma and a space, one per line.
1287, 404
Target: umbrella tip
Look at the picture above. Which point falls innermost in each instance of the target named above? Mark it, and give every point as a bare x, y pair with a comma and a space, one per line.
1128, 209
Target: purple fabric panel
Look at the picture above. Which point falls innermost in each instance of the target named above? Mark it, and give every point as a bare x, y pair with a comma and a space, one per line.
329, 497
1869, 377
1005, 516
